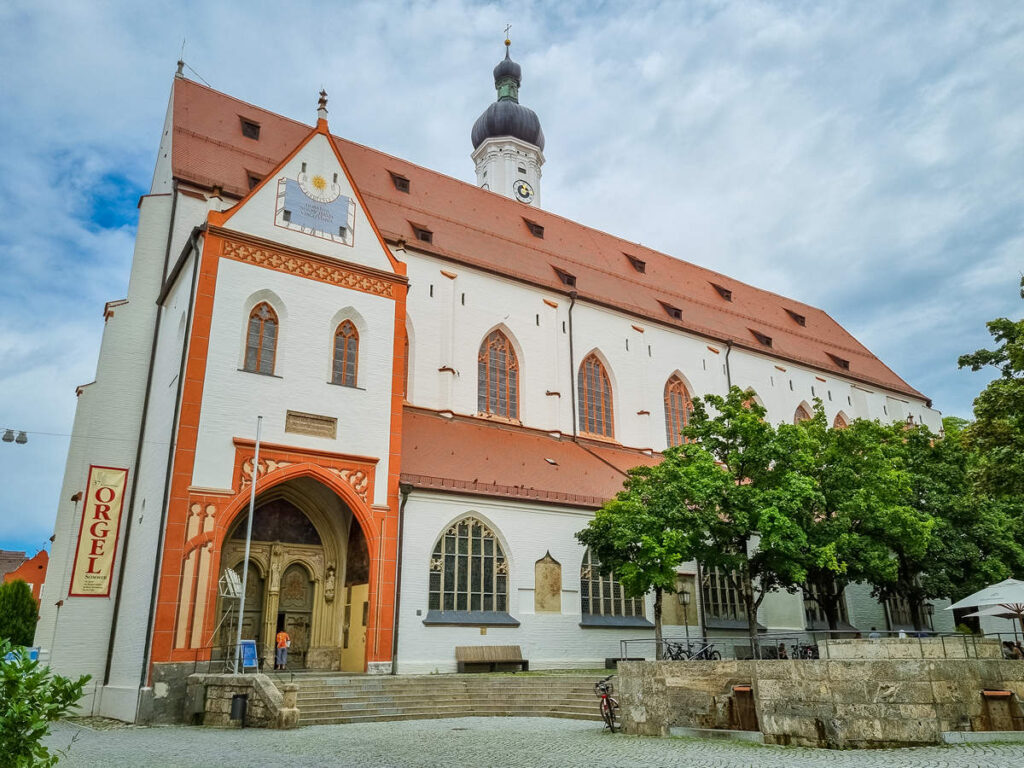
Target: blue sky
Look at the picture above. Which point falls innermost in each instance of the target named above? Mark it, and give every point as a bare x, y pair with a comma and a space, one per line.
866, 158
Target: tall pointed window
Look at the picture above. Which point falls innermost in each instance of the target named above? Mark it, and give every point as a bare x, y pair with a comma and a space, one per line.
346, 354
498, 377
802, 414
468, 570
602, 594
261, 339
595, 396
677, 409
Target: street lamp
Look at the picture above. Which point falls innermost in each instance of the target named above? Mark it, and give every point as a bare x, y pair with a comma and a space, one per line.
684, 600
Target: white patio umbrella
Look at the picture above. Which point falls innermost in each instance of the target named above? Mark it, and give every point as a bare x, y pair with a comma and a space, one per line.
1004, 599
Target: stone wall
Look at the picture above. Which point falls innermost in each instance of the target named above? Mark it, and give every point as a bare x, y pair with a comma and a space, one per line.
852, 703
209, 700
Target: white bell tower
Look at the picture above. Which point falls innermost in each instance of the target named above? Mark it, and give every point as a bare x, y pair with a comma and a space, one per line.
508, 143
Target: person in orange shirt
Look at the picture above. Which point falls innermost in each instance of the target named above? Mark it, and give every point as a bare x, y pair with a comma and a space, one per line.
283, 641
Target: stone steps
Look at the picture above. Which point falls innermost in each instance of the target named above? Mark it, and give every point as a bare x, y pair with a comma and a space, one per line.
341, 699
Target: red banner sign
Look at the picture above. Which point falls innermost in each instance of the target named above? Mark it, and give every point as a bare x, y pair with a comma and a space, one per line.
97, 538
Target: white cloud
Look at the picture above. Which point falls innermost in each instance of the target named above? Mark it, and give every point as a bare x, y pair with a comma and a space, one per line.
865, 158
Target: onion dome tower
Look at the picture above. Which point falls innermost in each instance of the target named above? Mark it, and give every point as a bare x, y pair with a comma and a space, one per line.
508, 143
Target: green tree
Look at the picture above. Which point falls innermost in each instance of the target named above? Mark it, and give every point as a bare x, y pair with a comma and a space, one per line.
636, 537
737, 502
997, 434
18, 613
858, 491
30, 699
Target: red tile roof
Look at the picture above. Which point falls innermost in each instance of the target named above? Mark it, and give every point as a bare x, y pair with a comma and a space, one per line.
464, 454
483, 229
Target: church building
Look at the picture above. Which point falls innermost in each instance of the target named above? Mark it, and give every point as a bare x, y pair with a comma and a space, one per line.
451, 380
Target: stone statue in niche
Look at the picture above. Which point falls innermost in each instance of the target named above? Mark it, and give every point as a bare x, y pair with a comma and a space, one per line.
276, 553
329, 584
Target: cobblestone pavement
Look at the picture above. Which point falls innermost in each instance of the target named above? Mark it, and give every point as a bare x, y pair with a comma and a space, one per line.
478, 742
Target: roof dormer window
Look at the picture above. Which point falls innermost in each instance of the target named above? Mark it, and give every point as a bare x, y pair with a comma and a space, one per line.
638, 264
422, 233
724, 292
535, 229
250, 129
839, 361
797, 317
566, 278
766, 340
401, 183
674, 312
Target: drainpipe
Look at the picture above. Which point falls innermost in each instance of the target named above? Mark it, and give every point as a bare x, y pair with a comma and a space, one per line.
138, 451
728, 370
404, 489
171, 444
572, 365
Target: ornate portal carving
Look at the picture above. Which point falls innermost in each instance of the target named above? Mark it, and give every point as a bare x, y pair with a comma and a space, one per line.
266, 467
357, 478
329, 584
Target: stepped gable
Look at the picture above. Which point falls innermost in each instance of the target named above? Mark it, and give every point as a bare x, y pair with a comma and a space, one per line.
460, 454
486, 230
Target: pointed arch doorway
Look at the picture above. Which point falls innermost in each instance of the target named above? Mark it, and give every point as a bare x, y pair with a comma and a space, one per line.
308, 557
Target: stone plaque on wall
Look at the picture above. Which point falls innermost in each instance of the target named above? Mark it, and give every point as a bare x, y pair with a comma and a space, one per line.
547, 593
311, 424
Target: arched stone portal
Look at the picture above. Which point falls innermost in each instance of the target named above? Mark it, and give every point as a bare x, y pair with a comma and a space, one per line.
304, 539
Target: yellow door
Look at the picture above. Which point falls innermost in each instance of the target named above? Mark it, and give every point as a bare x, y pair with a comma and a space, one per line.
353, 652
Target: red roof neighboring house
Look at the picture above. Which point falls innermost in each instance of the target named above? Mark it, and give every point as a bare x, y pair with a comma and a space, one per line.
32, 572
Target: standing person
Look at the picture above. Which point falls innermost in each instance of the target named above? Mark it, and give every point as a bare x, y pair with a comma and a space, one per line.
283, 641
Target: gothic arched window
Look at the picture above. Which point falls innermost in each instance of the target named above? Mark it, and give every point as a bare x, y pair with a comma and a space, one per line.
677, 409
840, 422
595, 396
602, 595
346, 354
497, 377
468, 570
261, 339
802, 414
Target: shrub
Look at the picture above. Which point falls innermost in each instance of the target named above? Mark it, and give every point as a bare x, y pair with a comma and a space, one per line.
18, 613
31, 698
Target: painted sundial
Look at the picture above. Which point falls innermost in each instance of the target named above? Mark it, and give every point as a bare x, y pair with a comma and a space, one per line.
312, 203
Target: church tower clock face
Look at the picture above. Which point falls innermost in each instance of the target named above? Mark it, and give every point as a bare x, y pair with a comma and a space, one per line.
523, 191
312, 203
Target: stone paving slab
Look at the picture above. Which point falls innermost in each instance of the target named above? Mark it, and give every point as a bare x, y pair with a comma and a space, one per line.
477, 742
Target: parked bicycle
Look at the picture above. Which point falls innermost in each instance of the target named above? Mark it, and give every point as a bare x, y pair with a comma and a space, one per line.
679, 652
609, 706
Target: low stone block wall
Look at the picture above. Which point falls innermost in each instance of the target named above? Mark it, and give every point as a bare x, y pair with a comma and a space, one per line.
823, 703
965, 647
211, 695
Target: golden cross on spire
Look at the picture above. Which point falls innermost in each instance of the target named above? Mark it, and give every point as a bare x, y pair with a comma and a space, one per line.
508, 42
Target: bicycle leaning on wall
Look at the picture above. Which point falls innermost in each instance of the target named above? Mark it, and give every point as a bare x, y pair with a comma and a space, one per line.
609, 706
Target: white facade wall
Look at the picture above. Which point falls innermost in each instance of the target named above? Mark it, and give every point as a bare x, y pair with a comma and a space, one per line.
309, 312
75, 635
451, 317
526, 531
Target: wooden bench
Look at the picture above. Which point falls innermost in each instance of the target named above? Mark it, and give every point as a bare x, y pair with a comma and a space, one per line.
475, 658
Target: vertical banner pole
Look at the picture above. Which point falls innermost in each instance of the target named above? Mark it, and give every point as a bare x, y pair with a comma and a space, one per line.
248, 543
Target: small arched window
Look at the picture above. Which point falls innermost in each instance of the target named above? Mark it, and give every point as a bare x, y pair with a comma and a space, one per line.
497, 377
840, 422
468, 570
346, 354
602, 595
261, 339
595, 396
802, 414
677, 409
